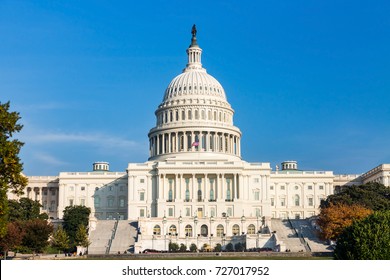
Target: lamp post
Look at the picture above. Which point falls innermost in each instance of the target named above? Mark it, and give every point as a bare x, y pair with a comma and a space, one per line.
180, 220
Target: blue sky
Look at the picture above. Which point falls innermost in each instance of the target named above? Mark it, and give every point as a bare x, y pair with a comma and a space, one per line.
308, 80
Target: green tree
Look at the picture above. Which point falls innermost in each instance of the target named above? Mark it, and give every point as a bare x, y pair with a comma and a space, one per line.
373, 196
229, 247
239, 247
74, 216
11, 177
183, 248
193, 247
36, 236
218, 248
60, 239
173, 247
25, 209
367, 239
81, 238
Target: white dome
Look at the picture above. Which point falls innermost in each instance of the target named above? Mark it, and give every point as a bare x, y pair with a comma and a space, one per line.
194, 83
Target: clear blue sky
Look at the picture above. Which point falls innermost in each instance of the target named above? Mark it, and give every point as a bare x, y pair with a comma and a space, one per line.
308, 80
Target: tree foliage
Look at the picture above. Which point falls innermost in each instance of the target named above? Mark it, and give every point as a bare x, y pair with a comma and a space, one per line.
13, 238
60, 239
81, 238
25, 209
193, 247
183, 247
173, 247
74, 216
374, 196
11, 168
37, 233
336, 217
367, 239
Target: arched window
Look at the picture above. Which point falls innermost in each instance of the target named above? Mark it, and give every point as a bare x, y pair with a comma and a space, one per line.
236, 230
189, 114
183, 115
188, 230
203, 115
196, 115
157, 230
296, 200
172, 230
220, 230
204, 231
251, 229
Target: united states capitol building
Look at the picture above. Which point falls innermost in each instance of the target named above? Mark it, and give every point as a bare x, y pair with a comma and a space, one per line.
195, 187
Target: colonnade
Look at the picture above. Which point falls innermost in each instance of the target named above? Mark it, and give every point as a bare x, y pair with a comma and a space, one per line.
194, 141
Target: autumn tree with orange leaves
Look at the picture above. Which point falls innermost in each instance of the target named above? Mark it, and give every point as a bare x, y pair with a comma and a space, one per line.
336, 217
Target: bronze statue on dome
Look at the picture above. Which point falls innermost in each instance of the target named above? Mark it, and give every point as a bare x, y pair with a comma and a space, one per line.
193, 31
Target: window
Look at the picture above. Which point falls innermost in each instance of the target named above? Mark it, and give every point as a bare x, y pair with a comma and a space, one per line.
45, 192
283, 201
220, 230
236, 230
228, 194
321, 187
257, 212
170, 211
142, 181
121, 188
271, 187
310, 201
71, 188
199, 189
70, 202
82, 188
188, 230
296, 200
142, 196
310, 187
142, 212
272, 201
172, 230
188, 211
52, 205
82, 201
44, 205
230, 211
257, 195
121, 202
251, 229
157, 230
97, 201
212, 212
110, 201
296, 187
255, 180
282, 187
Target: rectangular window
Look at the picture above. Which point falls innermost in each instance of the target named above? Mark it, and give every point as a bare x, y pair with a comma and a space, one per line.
71, 188
272, 202
212, 212
142, 181
309, 187
121, 188
53, 192
188, 212
82, 202
271, 188
142, 196
70, 202
321, 187
44, 206
310, 201
82, 188
257, 195
142, 212
52, 205
257, 212
282, 201
230, 212
170, 212
45, 192
121, 202
255, 180
282, 187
